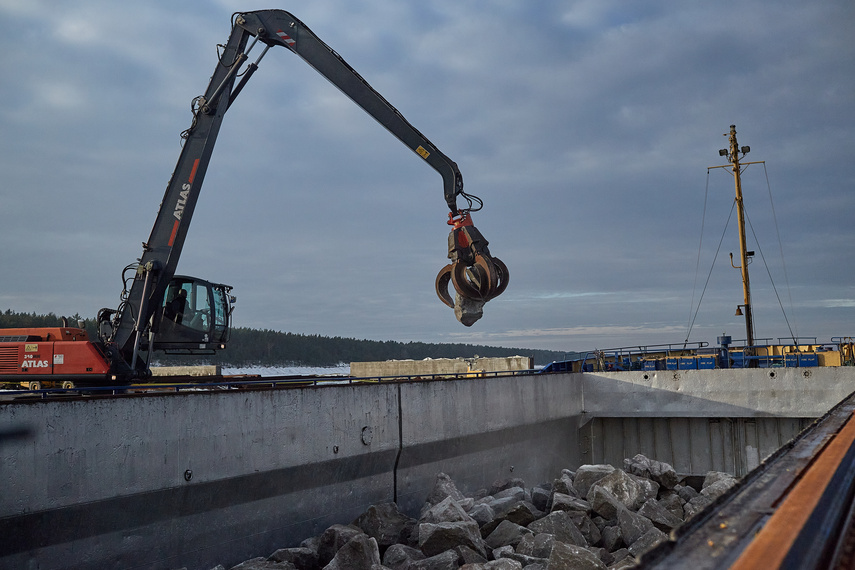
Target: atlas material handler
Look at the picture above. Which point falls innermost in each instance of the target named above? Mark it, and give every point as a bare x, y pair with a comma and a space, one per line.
180, 314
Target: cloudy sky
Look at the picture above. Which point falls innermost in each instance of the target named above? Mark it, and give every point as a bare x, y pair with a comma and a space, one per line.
587, 127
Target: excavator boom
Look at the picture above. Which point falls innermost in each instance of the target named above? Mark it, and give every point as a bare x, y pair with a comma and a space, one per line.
279, 28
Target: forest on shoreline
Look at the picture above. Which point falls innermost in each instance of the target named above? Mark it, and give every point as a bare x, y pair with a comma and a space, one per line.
264, 347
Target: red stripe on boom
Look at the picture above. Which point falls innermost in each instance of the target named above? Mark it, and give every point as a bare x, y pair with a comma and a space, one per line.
174, 231
193, 172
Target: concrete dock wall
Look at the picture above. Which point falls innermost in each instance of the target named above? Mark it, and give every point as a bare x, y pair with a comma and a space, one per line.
196, 479
735, 445
699, 421
482, 430
771, 392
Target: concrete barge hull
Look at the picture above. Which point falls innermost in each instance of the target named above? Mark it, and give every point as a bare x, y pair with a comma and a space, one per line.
198, 479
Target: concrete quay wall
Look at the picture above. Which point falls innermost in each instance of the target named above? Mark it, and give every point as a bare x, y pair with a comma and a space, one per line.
743, 392
191, 480
196, 479
699, 420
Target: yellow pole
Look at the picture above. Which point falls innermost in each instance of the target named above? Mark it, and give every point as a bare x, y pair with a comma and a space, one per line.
740, 213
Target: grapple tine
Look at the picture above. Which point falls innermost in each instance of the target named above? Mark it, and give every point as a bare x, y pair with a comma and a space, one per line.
502, 277
442, 279
489, 272
468, 281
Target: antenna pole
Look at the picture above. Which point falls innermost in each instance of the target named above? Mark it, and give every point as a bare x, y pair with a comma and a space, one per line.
733, 158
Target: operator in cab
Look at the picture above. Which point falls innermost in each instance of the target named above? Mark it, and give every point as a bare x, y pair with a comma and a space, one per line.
174, 310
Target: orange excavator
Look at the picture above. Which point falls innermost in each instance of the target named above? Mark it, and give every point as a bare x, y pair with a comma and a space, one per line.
179, 314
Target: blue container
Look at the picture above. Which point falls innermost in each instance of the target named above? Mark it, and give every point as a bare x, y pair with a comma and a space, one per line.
808, 359
559, 366
671, 363
803, 359
654, 364
688, 363
706, 362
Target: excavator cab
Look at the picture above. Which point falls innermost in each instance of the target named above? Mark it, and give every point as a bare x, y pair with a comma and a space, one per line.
194, 317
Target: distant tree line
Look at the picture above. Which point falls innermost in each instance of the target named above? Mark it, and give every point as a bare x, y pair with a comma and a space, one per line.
13, 320
254, 347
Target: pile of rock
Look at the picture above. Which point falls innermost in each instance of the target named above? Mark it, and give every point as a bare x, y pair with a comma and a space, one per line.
595, 517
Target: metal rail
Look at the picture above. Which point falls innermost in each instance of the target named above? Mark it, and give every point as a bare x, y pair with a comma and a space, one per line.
190, 384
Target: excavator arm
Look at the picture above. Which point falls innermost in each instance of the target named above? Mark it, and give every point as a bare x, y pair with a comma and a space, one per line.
476, 275
279, 28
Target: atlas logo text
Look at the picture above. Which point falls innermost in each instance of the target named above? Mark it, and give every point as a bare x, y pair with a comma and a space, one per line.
179, 206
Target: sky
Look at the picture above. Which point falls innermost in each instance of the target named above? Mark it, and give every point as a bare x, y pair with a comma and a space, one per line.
587, 127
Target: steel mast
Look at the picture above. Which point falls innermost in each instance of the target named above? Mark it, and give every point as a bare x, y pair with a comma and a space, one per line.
732, 155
